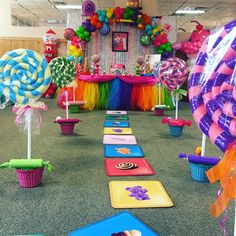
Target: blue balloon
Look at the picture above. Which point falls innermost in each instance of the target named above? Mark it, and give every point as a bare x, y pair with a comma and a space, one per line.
105, 30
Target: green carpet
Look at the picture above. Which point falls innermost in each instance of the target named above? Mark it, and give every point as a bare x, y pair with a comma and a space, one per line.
76, 193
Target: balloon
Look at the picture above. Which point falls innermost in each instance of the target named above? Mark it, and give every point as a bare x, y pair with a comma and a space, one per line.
172, 72
88, 8
176, 46
212, 87
69, 33
145, 40
105, 30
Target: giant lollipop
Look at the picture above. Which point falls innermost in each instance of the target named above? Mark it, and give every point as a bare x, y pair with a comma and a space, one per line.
24, 77
63, 73
212, 99
172, 73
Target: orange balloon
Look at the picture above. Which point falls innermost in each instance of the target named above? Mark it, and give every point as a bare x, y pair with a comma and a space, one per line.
98, 25
111, 21
93, 22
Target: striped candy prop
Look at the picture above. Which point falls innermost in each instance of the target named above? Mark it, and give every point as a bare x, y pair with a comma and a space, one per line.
24, 75
172, 72
63, 71
212, 98
212, 87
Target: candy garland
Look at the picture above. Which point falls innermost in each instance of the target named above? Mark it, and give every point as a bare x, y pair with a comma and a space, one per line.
24, 75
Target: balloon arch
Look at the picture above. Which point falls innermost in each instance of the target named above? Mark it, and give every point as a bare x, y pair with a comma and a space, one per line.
101, 20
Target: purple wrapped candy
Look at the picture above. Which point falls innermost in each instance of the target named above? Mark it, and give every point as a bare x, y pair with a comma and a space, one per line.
138, 192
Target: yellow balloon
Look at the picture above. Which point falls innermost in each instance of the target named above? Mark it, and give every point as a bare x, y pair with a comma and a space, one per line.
69, 53
72, 47
109, 14
80, 52
140, 26
154, 30
75, 53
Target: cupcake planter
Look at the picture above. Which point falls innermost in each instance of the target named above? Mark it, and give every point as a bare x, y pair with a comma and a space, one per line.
29, 178
175, 130
199, 165
67, 125
159, 110
176, 125
198, 171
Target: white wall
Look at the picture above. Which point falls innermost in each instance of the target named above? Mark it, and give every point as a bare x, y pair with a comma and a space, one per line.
6, 30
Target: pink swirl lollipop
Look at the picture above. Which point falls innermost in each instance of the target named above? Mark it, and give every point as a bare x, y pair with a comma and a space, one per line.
172, 72
212, 87
88, 8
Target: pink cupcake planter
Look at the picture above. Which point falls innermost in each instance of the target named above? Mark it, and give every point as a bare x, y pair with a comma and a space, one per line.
67, 125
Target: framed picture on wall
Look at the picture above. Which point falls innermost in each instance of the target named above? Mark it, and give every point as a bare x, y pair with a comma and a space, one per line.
120, 41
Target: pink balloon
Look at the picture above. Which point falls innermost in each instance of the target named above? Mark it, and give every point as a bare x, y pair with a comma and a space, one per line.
176, 46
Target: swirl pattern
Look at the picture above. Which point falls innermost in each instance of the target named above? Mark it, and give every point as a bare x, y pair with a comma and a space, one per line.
63, 71
211, 85
24, 75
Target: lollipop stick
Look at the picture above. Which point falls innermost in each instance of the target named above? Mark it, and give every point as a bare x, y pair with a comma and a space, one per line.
159, 94
67, 110
29, 126
176, 105
203, 144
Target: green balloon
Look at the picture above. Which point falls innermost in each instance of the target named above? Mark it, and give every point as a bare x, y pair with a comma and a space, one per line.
87, 39
168, 49
159, 51
81, 29
86, 33
168, 44
77, 33
126, 15
163, 47
145, 40
139, 20
82, 36
131, 12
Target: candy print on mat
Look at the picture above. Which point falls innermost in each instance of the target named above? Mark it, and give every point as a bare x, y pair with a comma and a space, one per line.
119, 139
120, 196
212, 87
117, 223
116, 150
142, 167
116, 124
117, 131
24, 75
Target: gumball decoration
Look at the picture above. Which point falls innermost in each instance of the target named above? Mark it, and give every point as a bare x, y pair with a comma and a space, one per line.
69, 33
145, 40
105, 30
88, 8
50, 40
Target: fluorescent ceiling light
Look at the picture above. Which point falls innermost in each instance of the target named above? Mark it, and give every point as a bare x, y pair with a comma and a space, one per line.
65, 7
189, 12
